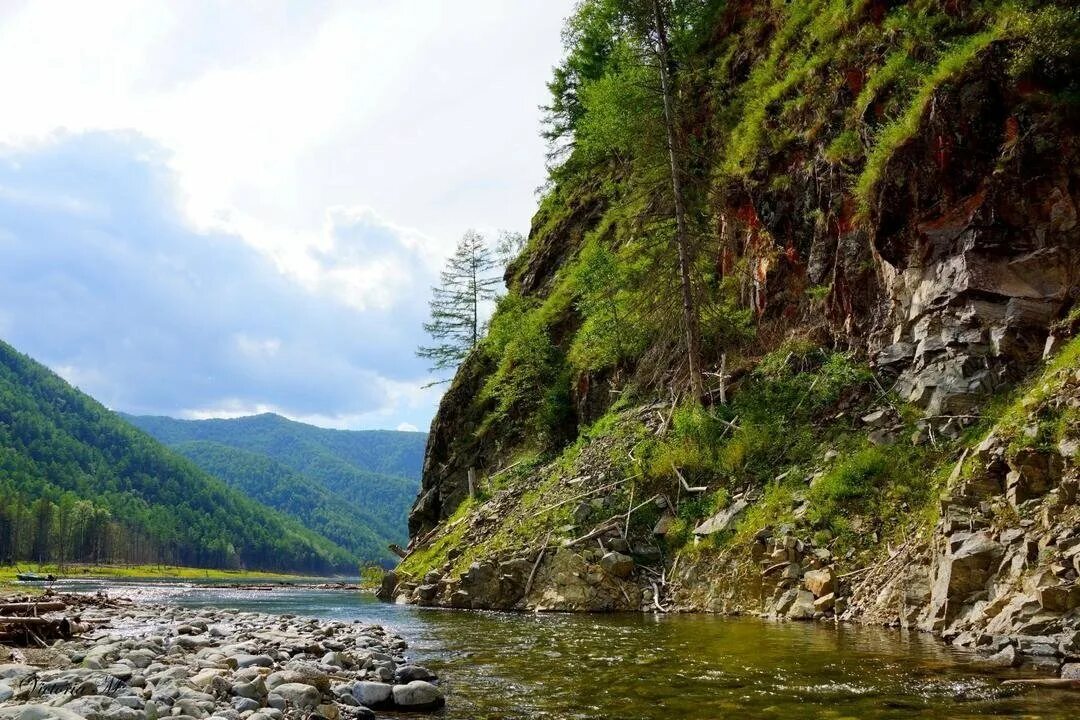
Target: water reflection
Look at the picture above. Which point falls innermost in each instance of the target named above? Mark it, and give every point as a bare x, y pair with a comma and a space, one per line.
499, 665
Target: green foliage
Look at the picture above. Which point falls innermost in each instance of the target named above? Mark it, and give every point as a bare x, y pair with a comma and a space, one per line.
752, 439
464, 286
847, 147
879, 482
1049, 46
531, 384
623, 113
898, 69
612, 330
898, 132
79, 484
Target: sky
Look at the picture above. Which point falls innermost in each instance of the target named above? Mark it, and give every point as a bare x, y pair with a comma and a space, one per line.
215, 209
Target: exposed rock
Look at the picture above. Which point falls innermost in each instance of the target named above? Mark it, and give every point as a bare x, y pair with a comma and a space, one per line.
374, 695
617, 564
724, 520
820, 582
418, 695
967, 566
1006, 657
304, 697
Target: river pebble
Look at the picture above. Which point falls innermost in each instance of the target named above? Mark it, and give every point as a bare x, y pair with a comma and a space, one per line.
147, 662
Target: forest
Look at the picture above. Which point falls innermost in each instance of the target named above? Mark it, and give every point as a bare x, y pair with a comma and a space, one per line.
79, 484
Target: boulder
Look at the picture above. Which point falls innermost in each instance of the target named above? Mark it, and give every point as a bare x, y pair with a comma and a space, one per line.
15, 671
1058, 598
99, 707
243, 704
37, 712
724, 520
820, 582
374, 695
802, 606
664, 524
418, 695
425, 594
246, 661
298, 695
617, 564
387, 587
408, 673
1006, 657
963, 570
1070, 671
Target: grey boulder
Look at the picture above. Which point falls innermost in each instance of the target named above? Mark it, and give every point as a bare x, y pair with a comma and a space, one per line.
418, 695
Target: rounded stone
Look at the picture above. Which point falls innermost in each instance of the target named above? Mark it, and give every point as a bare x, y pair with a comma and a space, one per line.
418, 695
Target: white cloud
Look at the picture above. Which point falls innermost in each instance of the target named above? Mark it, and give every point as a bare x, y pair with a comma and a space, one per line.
407, 427
423, 109
257, 348
349, 142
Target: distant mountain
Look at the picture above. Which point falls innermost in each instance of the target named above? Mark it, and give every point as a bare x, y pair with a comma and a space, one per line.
347, 485
296, 495
79, 483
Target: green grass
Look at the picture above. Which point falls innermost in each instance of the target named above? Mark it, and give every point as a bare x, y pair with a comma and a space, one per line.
171, 572
901, 130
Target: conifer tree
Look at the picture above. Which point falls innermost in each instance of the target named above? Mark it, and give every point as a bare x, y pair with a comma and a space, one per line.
464, 286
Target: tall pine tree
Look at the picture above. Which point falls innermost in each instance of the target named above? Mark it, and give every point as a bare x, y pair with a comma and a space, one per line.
464, 286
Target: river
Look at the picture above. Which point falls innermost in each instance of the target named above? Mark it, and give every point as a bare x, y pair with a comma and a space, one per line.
694, 667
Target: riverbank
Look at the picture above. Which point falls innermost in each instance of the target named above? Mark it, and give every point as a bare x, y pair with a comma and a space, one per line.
144, 661
149, 572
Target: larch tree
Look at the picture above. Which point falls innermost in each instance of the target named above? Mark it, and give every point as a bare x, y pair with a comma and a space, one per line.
616, 100
668, 74
464, 286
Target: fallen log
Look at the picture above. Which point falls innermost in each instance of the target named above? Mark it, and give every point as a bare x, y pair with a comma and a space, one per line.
536, 566
31, 608
23, 630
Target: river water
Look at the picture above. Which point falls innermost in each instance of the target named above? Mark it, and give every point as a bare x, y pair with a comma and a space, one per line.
697, 667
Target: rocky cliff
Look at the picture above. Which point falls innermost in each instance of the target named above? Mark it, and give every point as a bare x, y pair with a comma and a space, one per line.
887, 261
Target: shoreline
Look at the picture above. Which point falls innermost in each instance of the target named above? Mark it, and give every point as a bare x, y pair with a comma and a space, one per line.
242, 579
132, 661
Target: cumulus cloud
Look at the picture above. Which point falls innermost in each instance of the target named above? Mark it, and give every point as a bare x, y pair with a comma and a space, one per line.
103, 280
214, 208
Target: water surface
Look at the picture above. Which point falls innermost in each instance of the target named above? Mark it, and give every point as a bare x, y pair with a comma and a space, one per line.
697, 667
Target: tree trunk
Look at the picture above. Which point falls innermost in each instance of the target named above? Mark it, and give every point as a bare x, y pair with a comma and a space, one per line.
689, 311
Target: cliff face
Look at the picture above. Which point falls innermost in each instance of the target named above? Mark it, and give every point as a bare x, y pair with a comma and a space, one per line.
887, 248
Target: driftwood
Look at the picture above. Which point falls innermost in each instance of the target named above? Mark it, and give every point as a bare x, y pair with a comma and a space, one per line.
605, 527
536, 566
1052, 683
37, 630
686, 485
31, 608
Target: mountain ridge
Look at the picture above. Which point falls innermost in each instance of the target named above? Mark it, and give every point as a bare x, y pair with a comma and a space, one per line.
373, 473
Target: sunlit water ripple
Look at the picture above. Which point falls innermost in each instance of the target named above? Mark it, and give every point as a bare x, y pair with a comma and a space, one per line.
698, 667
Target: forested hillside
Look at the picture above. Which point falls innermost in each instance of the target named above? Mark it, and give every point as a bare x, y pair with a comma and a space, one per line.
77, 483
372, 476
297, 496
